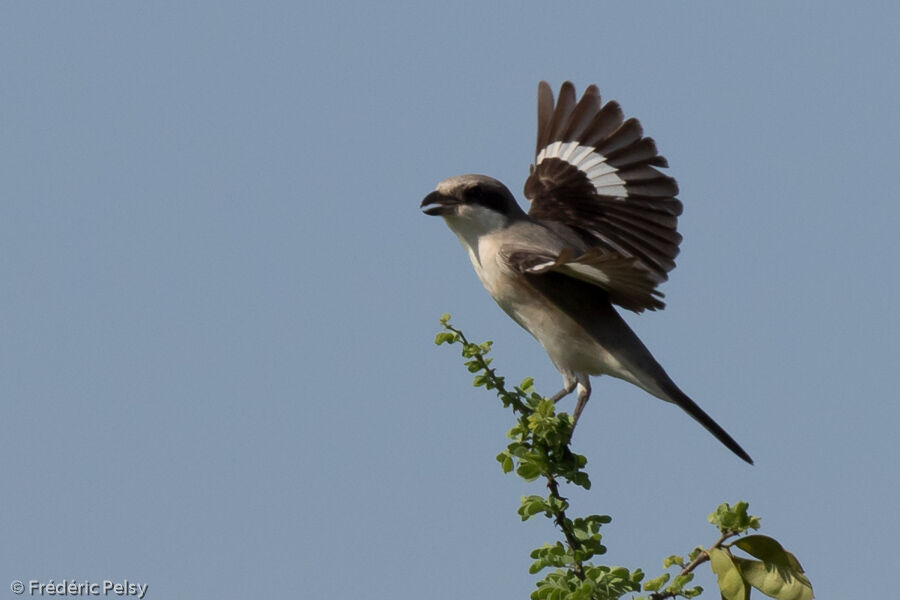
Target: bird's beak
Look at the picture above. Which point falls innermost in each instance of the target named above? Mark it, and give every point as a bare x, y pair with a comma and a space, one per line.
438, 204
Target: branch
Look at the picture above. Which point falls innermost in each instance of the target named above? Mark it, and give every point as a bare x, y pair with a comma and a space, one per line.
559, 517
540, 449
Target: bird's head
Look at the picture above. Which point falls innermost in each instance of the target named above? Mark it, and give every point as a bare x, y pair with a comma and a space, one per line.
472, 204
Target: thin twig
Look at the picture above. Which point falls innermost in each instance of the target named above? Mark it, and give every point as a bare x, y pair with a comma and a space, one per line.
559, 517
560, 520
514, 400
699, 560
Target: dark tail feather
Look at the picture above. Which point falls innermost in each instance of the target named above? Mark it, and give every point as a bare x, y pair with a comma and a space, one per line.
691, 408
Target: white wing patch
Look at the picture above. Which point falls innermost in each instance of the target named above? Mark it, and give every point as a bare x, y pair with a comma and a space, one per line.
587, 273
541, 267
603, 176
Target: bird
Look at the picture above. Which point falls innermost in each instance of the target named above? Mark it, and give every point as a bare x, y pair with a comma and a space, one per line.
600, 232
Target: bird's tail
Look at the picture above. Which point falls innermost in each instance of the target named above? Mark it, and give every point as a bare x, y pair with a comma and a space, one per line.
691, 408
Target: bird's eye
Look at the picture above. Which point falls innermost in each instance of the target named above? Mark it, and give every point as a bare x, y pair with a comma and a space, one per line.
474, 194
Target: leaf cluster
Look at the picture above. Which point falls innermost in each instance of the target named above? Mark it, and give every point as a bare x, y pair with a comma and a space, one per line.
539, 449
777, 573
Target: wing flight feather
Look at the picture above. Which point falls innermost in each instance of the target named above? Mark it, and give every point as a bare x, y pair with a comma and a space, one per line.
596, 173
629, 287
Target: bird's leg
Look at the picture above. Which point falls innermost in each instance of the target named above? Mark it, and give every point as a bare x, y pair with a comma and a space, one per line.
584, 392
569, 386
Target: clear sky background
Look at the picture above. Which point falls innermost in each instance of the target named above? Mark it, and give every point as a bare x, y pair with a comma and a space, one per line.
219, 295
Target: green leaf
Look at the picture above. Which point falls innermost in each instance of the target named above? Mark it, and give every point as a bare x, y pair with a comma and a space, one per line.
445, 318
444, 338
679, 582
774, 582
549, 555
654, 585
731, 583
555, 586
769, 550
674, 559
557, 505
733, 518
532, 505
695, 553
778, 573
517, 449
506, 462
582, 480
529, 471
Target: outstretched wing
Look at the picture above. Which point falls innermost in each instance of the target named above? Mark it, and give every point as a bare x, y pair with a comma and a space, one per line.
596, 173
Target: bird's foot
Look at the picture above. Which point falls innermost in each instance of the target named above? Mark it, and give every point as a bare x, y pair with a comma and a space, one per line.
562, 393
584, 393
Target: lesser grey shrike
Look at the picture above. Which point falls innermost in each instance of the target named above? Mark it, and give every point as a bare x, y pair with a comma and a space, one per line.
601, 230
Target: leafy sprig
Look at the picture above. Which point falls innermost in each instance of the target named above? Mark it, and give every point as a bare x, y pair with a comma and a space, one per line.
539, 448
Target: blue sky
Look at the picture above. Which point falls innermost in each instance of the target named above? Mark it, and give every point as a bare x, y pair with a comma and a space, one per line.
216, 360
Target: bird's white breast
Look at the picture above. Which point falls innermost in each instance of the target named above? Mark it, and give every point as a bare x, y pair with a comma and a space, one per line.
568, 345
498, 278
